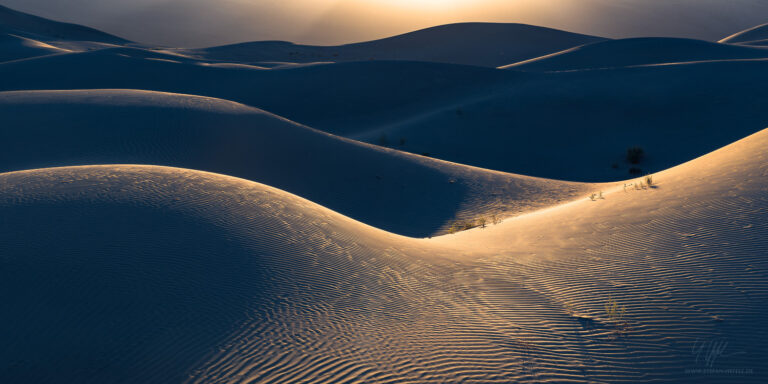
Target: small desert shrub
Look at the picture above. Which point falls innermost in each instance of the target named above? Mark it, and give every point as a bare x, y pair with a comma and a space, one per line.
464, 225
649, 180
635, 155
615, 313
481, 222
495, 219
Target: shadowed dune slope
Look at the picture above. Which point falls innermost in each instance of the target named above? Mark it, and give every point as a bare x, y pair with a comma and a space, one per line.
481, 44
341, 97
132, 274
172, 275
402, 193
483, 117
12, 21
579, 125
14, 47
752, 35
640, 51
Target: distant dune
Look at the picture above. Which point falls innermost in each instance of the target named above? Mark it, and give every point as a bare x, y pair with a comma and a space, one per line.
641, 51
757, 35
579, 125
467, 114
13, 47
340, 98
32, 26
482, 44
478, 116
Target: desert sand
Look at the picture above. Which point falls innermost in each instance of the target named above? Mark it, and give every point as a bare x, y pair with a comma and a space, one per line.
233, 215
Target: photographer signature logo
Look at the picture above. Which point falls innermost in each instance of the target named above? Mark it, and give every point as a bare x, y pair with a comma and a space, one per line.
708, 351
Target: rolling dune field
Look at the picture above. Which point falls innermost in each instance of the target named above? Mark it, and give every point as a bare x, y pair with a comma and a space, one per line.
524, 205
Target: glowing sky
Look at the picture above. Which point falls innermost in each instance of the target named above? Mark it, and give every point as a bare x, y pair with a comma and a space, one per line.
210, 22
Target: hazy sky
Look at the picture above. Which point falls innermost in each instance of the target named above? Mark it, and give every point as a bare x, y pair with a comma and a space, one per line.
196, 23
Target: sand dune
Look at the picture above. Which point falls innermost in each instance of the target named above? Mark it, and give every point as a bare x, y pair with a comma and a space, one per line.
482, 44
640, 51
478, 116
14, 47
12, 21
153, 269
489, 118
339, 98
757, 34
402, 193
160, 226
350, 303
579, 125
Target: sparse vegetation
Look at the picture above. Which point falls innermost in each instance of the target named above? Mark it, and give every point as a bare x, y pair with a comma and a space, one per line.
642, 184
635, 155
597, 196
649, 180
615, 313
464, 225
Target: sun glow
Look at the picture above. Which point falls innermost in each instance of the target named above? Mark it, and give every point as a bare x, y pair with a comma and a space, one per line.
436, 6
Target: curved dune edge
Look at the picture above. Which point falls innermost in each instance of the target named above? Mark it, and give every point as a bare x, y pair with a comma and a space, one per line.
382, 187
477, 44
301, 293
748, 36
635, 52
456, 123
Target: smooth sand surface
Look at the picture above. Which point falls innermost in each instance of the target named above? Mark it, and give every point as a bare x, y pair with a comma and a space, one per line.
15, 21
482, 44
637, 52
483, 117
